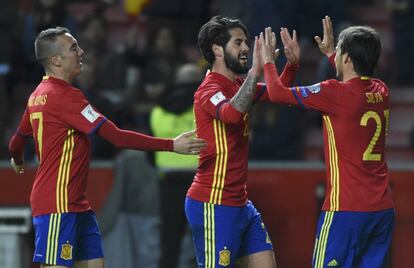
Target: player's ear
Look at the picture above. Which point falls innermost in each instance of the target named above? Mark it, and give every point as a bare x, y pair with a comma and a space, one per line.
217, 50
346, 58
56, 60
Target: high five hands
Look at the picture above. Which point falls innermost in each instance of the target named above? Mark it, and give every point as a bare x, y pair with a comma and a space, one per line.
266, 46
327, 44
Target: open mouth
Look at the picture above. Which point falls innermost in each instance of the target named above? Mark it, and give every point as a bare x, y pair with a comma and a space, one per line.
243, 59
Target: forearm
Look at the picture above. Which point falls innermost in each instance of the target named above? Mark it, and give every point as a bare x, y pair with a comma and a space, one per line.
331, 59
133, 140
244, 96
277, 91
16, 147
289, 73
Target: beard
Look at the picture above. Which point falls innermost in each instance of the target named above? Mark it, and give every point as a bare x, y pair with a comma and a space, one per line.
234, 64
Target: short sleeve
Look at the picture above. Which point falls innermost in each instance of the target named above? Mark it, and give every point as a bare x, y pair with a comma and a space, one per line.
322, 96
217, 104
80, 114
211, 99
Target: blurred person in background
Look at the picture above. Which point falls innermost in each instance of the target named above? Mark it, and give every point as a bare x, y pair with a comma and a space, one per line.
41, 15
402, 14
173, 115
8, 36
60, 120
356, 224
129, 219
151, 65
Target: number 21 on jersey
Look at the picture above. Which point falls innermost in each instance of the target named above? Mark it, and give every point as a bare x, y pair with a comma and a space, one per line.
368, 154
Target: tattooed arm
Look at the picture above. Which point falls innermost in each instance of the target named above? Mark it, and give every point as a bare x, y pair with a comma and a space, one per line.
243, 99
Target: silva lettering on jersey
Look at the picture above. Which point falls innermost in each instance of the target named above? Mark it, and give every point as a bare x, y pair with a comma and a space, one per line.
37, 100
374, 97
217, 98
90, 114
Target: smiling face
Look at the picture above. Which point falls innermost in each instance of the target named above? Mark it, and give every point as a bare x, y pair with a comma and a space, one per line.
235, 52
70, 55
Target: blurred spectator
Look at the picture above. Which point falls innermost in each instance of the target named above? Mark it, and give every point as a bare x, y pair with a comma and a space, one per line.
129, 219
402, 12
110, 67
8, 37
162, 55
151, 69
277, 133
42, 15
172, 116
188, 15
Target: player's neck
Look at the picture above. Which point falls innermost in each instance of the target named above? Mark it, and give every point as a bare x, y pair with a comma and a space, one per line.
349, 74
223, 70
59, 75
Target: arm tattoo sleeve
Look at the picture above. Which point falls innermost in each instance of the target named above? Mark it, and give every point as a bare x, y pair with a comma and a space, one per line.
243, 98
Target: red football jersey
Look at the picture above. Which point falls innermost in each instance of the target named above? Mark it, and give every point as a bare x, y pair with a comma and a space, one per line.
222, 172
355, 121
60, 119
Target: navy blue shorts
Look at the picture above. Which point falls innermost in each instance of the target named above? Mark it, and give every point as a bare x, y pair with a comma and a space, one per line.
222, 234
63, 238
353, 239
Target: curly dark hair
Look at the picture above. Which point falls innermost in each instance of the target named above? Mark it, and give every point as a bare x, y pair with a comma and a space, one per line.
216, 31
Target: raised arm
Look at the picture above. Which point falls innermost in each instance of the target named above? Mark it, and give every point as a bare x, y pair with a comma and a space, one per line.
291, 49
327, 44
277, 91
316, 96
242, 101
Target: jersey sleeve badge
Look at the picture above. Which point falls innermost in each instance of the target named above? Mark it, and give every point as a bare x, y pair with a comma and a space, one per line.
90, 114
217, 98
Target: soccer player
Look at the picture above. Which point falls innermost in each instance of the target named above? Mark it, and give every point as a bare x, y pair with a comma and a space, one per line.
226, 227
60, 119
356, 223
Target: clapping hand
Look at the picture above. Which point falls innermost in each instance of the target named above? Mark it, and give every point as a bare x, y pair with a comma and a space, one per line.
267, 42
290, 45
327, 44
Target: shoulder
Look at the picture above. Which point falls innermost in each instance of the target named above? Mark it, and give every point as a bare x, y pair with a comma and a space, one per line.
208, 87
380, 83
332, 83
74, 94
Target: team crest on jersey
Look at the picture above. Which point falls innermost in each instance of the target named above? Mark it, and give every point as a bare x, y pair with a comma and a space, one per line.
224, 257
90, 114
66, 253
333, 263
